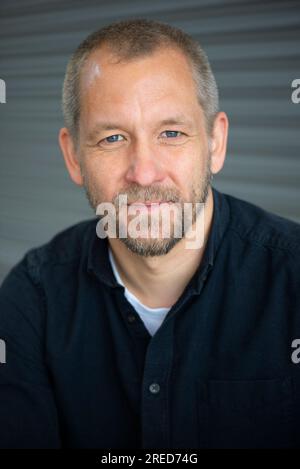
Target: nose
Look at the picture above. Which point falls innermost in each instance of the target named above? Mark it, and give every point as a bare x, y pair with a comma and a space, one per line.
144, 168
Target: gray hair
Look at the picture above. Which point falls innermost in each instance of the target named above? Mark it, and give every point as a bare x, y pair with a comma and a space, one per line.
134, 38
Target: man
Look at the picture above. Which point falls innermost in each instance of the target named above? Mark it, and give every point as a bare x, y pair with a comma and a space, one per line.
141, 340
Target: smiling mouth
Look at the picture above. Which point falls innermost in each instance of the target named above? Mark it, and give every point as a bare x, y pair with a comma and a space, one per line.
149, 204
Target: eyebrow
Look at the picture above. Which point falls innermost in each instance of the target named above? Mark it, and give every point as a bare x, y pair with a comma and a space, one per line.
100, 126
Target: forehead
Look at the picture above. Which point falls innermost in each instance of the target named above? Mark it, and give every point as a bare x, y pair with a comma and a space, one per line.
147, 84
103, 63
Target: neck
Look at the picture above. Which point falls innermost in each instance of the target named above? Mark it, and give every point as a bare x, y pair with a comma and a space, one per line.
159, 281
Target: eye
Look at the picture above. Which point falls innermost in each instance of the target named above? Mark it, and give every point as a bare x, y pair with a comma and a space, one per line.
111, 139
172, 133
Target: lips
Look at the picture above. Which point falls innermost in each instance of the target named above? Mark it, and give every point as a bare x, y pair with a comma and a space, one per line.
148, 203
149, 206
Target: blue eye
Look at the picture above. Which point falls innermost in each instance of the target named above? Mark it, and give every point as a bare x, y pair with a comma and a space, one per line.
112, 138
172, 132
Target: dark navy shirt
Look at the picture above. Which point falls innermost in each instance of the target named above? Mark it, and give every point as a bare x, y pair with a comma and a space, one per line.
82, 371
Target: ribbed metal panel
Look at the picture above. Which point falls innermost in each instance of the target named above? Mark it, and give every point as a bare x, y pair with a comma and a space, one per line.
254, 49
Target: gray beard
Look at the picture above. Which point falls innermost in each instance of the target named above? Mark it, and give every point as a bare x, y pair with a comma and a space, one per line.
155, 246
161, 247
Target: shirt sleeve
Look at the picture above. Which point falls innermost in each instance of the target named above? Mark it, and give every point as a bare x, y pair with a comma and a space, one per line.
28, 414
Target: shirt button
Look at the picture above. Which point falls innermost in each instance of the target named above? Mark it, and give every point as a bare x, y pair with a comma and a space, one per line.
154, 388
131, 318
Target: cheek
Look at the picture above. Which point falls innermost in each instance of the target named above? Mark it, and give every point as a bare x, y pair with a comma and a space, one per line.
97, 178
107, 175
192, 173
200, 161
189, 167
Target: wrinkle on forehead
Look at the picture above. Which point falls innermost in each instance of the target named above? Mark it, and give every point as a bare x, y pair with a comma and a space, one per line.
158, 80
97, 62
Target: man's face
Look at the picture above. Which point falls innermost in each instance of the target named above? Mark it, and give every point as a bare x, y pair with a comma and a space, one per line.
142, 134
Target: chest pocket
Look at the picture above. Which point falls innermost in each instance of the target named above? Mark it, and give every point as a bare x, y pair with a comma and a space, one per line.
245, 414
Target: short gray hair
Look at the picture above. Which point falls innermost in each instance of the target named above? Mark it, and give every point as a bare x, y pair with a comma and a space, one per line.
134, 38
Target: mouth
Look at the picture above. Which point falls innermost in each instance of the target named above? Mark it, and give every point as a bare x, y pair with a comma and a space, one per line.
150, 203
150, 206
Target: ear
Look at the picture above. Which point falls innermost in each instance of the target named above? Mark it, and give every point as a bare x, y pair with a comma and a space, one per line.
219, 142
70, 155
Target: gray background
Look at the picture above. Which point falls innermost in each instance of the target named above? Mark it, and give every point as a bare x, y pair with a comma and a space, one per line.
254, 50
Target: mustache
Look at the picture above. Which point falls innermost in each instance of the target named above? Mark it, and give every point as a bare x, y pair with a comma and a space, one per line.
148, 194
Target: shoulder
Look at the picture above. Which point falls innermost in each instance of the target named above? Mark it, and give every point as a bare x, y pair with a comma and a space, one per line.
68, 245
263, 228
22, 292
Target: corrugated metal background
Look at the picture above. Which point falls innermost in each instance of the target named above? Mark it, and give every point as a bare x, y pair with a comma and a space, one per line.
254, 49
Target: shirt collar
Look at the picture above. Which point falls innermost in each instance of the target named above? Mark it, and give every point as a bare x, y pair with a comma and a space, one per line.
98, 254
219, 224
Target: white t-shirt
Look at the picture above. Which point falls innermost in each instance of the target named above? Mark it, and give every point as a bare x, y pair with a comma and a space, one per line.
151, 317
